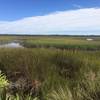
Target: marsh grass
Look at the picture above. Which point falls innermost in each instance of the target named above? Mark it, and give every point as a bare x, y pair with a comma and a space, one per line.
71, 43
63, 74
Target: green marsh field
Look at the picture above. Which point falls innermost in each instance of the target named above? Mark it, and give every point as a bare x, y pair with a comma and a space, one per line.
50, 68
64, 42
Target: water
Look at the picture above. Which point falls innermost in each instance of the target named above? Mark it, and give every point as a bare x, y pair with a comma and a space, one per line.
11, 45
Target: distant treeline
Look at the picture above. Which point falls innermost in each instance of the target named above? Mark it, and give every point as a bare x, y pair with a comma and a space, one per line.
50, 35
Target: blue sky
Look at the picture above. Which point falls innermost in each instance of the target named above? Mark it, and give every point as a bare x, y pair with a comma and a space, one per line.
49, 16
17, 9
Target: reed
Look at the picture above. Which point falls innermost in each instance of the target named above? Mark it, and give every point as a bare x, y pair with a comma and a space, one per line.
70, 74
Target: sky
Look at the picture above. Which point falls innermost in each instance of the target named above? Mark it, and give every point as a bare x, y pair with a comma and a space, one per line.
68, 17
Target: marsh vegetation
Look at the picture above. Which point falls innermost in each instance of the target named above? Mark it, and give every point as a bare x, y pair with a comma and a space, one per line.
51, 73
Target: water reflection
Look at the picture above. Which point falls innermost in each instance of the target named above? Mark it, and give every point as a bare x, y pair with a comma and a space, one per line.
11, 45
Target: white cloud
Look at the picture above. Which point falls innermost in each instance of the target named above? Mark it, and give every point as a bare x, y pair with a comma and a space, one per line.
81, 20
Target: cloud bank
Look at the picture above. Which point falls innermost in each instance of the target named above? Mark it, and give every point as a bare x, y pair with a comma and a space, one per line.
80, 21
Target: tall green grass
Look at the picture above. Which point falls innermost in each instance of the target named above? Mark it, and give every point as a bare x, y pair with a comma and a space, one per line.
63, 74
